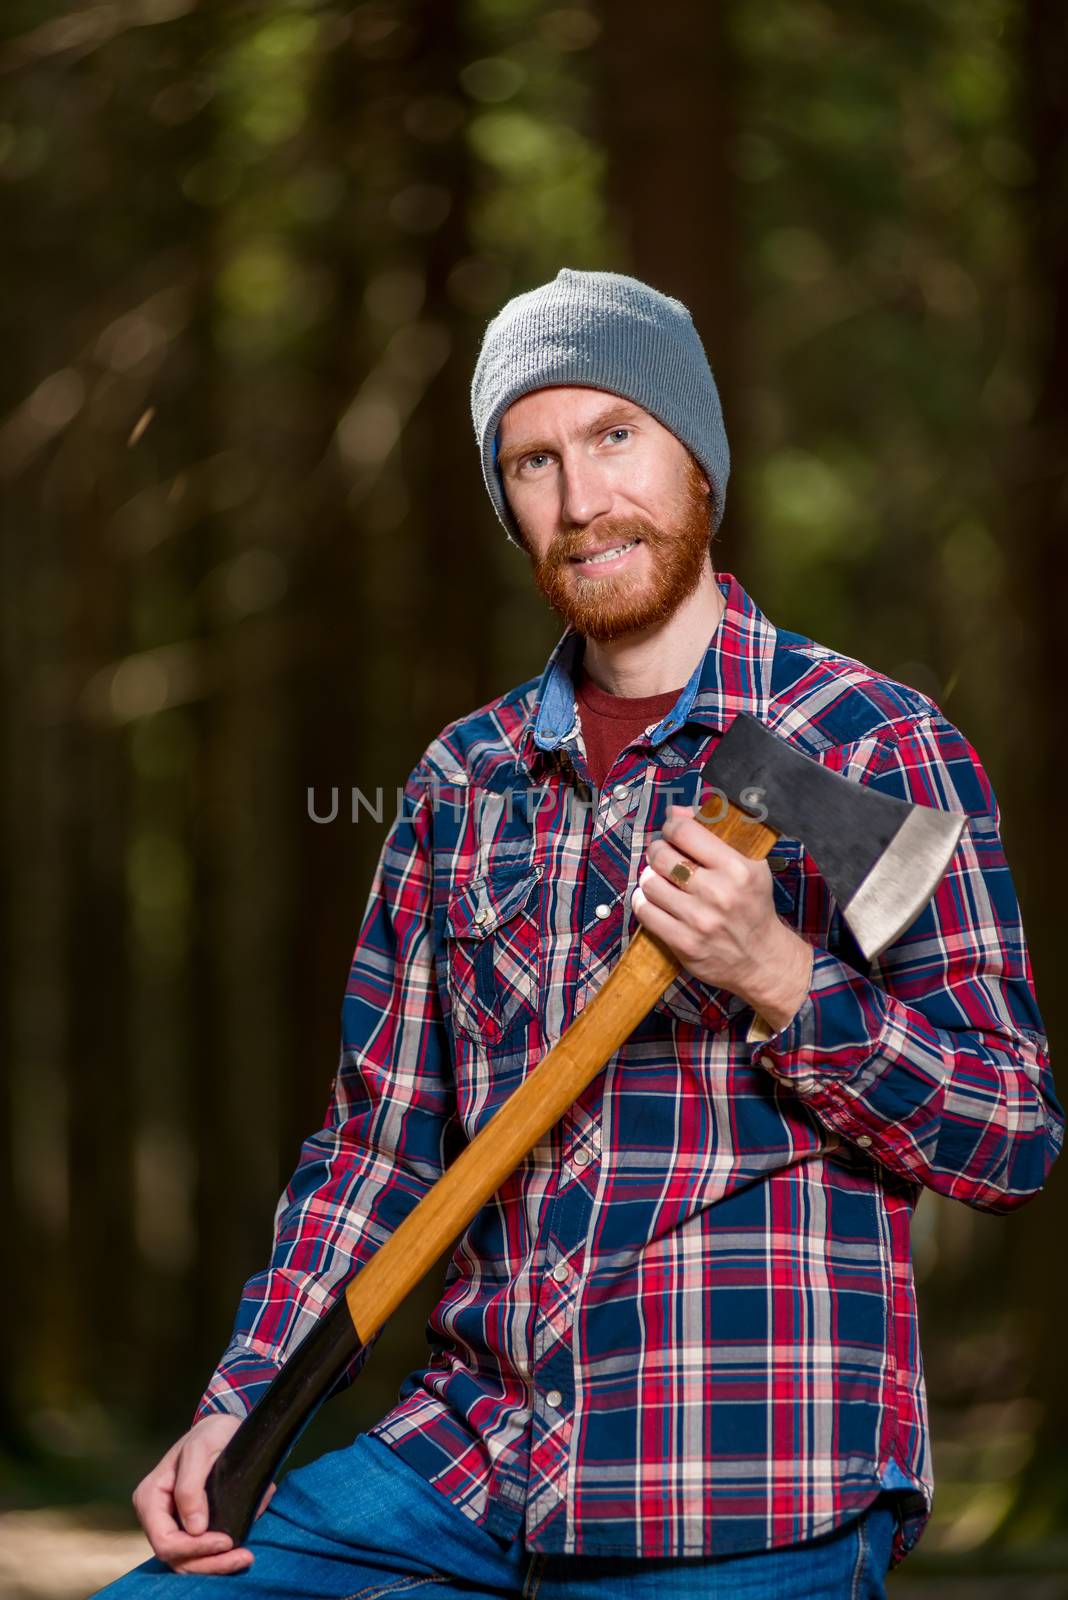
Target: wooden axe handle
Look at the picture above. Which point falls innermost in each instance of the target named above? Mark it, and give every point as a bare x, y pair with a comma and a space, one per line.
245, 1467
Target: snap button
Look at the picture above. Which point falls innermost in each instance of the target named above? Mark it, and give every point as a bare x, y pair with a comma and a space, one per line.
602, 911
457, 777
482, 915
581, 1157
554, 1398
863, 1140
560, 1272
620, 792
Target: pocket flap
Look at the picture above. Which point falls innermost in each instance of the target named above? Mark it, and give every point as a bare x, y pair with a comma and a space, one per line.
481, 907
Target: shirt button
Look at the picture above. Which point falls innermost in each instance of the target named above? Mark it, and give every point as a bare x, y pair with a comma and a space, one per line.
602, 911
560, 1272
457, 777
863, 1140
580, 1157
620, 792
482, 916
554, 1398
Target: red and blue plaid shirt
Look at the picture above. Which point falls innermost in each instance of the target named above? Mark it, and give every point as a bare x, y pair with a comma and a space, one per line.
687, 1323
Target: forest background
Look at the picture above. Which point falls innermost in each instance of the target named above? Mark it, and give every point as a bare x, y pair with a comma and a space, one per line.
249, 252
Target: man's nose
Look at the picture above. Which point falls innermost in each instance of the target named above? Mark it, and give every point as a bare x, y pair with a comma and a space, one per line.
586, 493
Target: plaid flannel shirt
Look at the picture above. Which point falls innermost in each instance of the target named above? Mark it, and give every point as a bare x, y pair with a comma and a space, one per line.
687, 1323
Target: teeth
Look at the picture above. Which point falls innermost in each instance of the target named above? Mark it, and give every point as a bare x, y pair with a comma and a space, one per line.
609, 555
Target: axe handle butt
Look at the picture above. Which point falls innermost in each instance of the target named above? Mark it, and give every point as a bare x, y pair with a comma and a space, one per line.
243, 1471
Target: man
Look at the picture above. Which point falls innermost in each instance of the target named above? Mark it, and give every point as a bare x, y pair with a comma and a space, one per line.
678, 1352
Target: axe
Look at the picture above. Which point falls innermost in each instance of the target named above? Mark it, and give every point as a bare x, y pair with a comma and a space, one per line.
882, 859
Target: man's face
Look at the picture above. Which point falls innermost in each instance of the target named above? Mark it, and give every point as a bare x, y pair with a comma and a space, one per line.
587, 473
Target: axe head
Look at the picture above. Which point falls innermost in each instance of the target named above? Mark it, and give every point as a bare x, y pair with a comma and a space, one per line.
881, 857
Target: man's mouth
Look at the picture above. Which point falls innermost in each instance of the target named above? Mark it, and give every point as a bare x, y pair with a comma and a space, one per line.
602, 557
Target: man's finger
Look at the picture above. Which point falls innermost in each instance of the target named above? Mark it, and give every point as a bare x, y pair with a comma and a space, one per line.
663, 858
155, 1507
190, 1494
662, 892
268, 1497
171, 1502
682, 830
177, 1548
232, 1561
676, 935
168, 1539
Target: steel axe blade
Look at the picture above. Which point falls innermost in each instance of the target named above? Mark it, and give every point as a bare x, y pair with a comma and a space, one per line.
881, 857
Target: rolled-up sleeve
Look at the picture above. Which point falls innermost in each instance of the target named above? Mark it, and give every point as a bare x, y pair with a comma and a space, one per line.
935, 1061
382, 1145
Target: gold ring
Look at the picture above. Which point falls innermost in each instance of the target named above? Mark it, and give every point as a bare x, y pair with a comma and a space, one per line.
681, 873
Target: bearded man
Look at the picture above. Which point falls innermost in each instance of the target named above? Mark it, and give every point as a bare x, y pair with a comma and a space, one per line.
677, 1353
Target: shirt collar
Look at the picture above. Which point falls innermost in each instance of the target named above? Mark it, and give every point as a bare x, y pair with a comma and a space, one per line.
733, 675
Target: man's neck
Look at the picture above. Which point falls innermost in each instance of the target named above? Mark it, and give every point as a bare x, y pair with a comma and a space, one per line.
663, 657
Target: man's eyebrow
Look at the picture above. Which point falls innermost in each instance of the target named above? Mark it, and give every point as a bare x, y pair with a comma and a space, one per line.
620, 411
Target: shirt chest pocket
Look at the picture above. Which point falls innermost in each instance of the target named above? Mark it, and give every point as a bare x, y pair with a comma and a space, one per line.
492, 947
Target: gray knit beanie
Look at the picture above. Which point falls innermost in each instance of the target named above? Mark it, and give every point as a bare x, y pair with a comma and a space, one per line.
600, 330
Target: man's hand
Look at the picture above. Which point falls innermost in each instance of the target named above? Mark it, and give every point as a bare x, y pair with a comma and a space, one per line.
172, 1505
722, 925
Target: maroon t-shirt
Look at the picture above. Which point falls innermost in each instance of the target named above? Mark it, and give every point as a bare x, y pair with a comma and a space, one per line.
610, 721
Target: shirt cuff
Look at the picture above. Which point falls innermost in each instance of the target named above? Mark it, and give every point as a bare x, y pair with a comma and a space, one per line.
241, 1379
840, 1055
832, 1037
759, 1030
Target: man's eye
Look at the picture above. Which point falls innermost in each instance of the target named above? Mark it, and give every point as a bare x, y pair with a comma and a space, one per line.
532, 461
612, 432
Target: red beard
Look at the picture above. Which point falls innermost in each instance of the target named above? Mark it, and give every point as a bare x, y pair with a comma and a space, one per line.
607, 608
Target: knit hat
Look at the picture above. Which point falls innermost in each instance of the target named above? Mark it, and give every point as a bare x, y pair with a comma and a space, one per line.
601, 330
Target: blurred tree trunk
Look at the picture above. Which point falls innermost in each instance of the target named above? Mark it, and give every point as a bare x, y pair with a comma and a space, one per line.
339, 738
1036, 545
36, 1355
218, 1135
671, 182
458, 540
390, 562
1039, 492
13, 1254
100, 1313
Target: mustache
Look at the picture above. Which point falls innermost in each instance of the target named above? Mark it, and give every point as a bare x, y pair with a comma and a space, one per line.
607, 533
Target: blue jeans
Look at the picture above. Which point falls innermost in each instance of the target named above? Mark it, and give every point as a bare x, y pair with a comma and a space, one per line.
360, 1524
